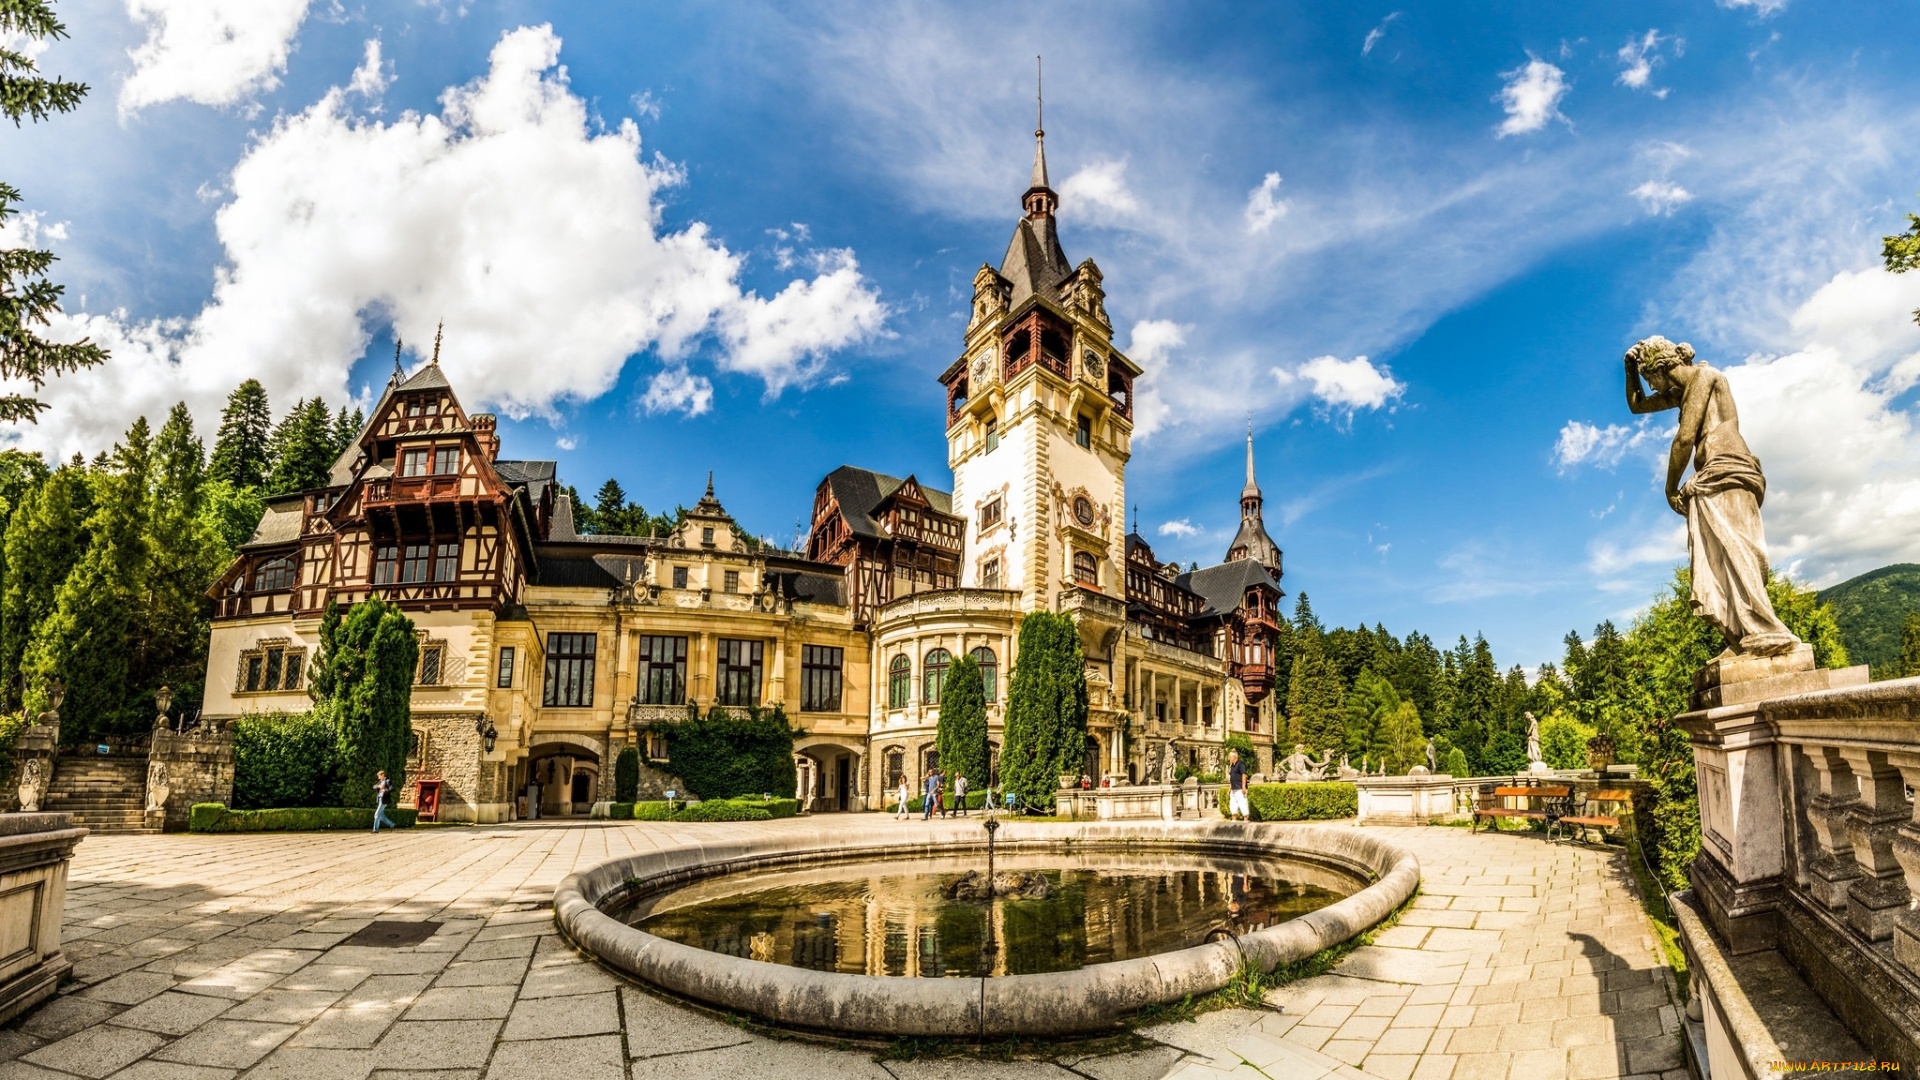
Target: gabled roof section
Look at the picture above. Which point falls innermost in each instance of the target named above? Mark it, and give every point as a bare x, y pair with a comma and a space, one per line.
1225, 585
862, 492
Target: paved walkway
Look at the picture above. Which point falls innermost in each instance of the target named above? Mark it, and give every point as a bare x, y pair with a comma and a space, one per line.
213, 957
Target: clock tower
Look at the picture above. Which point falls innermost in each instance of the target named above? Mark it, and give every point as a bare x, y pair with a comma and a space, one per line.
1040, 420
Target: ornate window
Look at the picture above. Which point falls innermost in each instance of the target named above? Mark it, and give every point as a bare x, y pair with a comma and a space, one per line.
569, 670
270, 667
413, 567
820, 678
663, 670
935, 675
706, 536
432, 667
739, 671
989, 672
899, 682
679, 577
929, 759
990, 513
276, 574
506, 667
1086, 570
731, 582
990, 573
896, 768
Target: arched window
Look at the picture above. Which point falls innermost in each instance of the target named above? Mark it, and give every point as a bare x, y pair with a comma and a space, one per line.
896, 767
275, 574
929, 761
936, 675
899, 682
1085, 570
989, 672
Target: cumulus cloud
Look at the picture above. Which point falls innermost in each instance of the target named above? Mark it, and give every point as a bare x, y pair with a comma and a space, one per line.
1761, 7
533, 232
1531, 97
1661, 196
1100, 191
372, 77
678, 390
1637, 60
1589, 444
1374, 35
1263, 206
1348, 385
1182, 528
212, 52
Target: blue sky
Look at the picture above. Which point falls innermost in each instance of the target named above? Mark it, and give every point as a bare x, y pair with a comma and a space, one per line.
1411, 241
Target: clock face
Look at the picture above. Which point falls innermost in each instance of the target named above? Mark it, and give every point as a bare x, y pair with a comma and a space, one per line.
1092, 362
1083, 510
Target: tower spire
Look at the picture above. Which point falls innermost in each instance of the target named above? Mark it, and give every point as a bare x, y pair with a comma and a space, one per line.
1251, 488
1039, 200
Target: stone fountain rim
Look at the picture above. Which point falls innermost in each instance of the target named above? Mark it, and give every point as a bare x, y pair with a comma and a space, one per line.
1099, 997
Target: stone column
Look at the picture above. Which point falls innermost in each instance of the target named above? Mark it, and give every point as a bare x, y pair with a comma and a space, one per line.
1738, 873
1906, 848
1832, 869
1872, 823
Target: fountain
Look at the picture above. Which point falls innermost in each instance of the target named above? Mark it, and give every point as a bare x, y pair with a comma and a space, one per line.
849, 929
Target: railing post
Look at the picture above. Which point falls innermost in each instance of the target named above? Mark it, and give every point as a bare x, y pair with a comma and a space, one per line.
1872, 822
1832, 868
1906, 848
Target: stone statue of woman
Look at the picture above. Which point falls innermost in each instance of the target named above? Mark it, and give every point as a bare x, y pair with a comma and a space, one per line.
1721, 501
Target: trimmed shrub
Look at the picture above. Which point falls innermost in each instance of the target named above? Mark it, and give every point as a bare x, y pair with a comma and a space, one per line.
284, 760
962, 733
626, 775
653, 811
721, 755
213, 817
780, 808
620, 811
1299, 802
1046, 723
722, 810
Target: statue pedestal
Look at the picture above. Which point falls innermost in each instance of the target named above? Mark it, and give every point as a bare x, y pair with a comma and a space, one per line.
1538, 768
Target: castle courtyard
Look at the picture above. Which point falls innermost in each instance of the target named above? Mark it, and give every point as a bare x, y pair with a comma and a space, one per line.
209, 957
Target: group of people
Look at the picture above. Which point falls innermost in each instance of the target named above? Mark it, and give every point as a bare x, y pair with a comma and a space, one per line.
934, 798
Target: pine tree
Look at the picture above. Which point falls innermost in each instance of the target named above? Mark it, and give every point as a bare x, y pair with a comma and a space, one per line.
346, 427
609, 506
962, 736
1910, 646
27, 298
1371, 701
371, 662
242, 450
1046, 709
302, 449
186, 552
89, 641
45, 539
585, 521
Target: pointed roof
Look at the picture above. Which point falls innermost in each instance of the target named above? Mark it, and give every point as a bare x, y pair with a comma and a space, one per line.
429, 377
1039, 162
1252, 490
1035, 263
708, 506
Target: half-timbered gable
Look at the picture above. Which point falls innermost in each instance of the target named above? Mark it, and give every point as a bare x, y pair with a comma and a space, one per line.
895, 537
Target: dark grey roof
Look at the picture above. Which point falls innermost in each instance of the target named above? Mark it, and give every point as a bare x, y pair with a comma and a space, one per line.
1224, 586
561, 527
535, 476
427, 378
562, 567
1035, 263
1252, 542
280, 524
859, 491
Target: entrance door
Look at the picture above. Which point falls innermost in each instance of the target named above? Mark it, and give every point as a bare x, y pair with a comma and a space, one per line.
582, 792
843, 783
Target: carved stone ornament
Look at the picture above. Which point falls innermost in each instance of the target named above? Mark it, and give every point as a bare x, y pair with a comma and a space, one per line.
30, 785
157, 786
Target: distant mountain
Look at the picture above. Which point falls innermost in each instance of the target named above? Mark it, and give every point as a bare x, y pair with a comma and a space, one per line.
1871, 609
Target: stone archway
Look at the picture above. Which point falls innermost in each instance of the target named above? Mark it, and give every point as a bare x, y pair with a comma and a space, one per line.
832, 772
559, 768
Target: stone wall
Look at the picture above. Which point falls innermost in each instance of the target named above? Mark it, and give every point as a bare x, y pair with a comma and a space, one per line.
195, 766
655, 782
450, 750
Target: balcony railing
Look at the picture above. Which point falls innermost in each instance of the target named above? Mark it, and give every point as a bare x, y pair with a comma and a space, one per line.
412, 488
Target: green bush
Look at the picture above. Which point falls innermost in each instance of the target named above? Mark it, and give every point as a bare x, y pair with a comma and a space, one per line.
721, 755
653, 811
213, 817
722, 810
285, 760
1299, 802
1046, 719
780, 808
626, 775
620, 811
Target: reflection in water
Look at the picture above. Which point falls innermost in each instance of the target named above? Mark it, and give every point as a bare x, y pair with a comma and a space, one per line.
890, 918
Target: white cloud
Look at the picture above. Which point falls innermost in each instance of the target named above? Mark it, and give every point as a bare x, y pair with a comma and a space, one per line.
337, 224
1761, 7
24, 229
1346, 384
1102, 189
1588, 444
25, 44
371, 78
1531, 97
1182, 528
1660, 547
677, 390
1637, 59
1661, 196
567, 442
1263, 207
1374, 35
212, 52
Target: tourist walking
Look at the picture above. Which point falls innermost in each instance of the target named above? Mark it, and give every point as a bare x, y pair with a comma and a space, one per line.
927, 791
906, 796
1236, 787
960, 794
382, 790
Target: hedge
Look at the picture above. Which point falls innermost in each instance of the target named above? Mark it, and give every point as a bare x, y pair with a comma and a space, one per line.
780, 808
721, 810
285, 760
620, 811
652, 811
214, 817
1299, 802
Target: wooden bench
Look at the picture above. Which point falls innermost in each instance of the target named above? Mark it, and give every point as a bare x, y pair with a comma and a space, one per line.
1601, 821
1556, 802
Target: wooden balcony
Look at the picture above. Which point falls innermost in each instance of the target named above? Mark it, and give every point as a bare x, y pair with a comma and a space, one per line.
412, 489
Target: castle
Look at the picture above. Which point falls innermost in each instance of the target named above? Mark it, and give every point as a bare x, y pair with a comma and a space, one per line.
544, 651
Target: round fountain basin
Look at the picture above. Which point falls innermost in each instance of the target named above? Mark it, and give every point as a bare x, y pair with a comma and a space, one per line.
1092, 987
900, 917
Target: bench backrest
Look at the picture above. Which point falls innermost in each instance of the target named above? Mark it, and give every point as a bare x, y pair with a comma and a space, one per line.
1609, 796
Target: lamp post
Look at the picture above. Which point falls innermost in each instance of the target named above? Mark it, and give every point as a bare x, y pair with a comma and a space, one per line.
163, 698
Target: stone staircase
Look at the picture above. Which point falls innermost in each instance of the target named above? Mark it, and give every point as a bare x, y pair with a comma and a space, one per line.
105, 794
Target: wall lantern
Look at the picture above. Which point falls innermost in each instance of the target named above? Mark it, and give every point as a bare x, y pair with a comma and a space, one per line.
491, 735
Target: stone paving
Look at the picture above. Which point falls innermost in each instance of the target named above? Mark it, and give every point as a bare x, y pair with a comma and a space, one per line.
214, 957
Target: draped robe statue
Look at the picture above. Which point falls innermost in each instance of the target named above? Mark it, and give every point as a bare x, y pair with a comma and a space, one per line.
1721, 501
